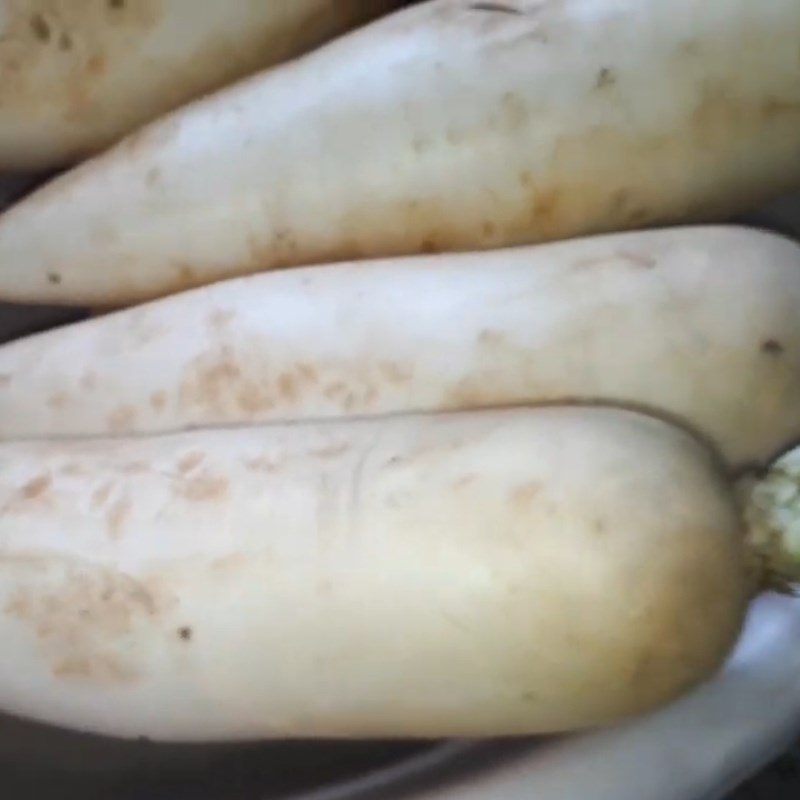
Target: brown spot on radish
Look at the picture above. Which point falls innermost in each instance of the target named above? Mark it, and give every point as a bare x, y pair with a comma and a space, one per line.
252, 399
36, 487
209, 381
624, 207
526, 178
205, 487
772, 107
420, 144
40, 27
101, 669
82, 617
605, 77
514, 110
414, 207
97, 64
464, 482
88, 381
691, 47
5, 379
331, 451
57, 400
186, 276
121, 419
396, 372
260, 464
283, 240
546, 206
472, 392
636, 216
491, 338
719, 111
145, 327
620, 199
499, 8
431, 246
101, 494
190, 461
287, 387
229, 564
772, 347
523, 496
116, 516
597, 261
432, 450
638, 259
73, 469
158, 400
185, 633
489, 229
220, 318
335, 389
307, 373
54, 278
104, 234
152, 177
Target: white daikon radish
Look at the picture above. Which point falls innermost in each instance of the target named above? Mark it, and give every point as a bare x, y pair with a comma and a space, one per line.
471, 574
450, 125
702, 324
76, 75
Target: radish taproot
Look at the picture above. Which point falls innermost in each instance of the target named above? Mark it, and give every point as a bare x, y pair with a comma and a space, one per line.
469, 574
450, 125
697, 323
78, 75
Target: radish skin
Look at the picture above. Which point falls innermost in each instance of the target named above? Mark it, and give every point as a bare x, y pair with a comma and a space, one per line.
79, 75
447, 126
700, 324
474, 574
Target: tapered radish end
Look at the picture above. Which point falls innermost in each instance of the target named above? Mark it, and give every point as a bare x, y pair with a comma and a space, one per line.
772, 515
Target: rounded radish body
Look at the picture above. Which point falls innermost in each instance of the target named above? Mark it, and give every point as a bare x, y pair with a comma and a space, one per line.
698, 324
450, 125
446, 575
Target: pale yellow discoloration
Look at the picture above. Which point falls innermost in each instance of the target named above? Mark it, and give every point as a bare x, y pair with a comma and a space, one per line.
500, 572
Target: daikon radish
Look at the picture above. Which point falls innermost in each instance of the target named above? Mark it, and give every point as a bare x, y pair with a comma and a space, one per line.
450, 125
474, 574
701, 324
78, 75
